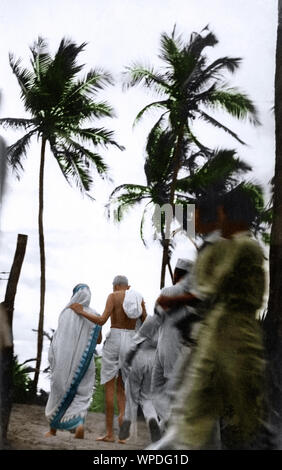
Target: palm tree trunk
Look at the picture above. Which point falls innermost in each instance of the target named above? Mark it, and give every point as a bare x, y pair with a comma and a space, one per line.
165, 261
176, 168
42, 269
273, 321
170, 270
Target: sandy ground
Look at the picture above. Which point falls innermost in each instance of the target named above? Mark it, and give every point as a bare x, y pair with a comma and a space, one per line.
28, 426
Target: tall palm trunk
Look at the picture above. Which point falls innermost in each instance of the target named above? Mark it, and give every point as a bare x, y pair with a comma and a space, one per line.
165, 260
273, 321
176, 168
42, 268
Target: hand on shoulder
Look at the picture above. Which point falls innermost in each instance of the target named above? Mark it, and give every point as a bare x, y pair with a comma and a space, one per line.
77, 308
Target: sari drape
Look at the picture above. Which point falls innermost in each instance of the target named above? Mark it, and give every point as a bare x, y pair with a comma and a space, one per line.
72, 365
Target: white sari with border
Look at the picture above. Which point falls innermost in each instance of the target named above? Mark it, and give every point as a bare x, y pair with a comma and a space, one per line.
71, 358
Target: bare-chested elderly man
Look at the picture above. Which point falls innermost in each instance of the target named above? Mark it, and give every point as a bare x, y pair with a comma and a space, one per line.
116, 346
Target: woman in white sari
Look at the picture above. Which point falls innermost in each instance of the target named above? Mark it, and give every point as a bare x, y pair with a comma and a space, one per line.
72, 367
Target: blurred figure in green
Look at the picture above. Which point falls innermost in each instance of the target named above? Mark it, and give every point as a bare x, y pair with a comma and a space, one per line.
225, 379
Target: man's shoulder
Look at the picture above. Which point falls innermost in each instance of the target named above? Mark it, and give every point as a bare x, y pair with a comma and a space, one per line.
111, 298
117, 296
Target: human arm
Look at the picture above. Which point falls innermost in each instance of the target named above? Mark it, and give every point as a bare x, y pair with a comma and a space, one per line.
144, 313
178, 295
98, 320
177, 301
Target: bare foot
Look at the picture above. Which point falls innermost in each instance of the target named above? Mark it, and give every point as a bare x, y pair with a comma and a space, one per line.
122, 441
106, 438
51, 433
79, 432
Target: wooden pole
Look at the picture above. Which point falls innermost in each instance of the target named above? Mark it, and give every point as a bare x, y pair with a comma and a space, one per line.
7, 349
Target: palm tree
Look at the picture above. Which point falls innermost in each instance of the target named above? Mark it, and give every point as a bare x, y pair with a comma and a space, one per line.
60, 103
158, 170
221, 172
189, 88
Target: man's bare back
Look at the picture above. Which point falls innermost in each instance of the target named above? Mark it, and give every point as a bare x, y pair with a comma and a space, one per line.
113, 310
119, 319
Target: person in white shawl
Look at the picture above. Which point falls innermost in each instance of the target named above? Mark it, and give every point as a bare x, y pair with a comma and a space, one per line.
72, 367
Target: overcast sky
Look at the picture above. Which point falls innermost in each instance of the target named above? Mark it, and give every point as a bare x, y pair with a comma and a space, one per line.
81, 244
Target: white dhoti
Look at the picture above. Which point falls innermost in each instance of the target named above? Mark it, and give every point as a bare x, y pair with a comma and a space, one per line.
115, 348
138, 390
138, 385
168, 353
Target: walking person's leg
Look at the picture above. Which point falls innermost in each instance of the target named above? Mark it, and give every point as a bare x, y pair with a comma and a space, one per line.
109, 398
120, 399
131, 406
147, 405
158, 388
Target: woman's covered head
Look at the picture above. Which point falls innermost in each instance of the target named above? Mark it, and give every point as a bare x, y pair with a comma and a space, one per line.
81, 294
78, 287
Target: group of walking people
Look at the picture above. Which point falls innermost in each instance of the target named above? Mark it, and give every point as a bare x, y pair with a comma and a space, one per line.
196, 366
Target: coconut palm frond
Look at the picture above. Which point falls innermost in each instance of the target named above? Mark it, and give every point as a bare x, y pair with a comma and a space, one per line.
235, 103
18, 150
138, 74
211, 120
154, 105
17, 123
